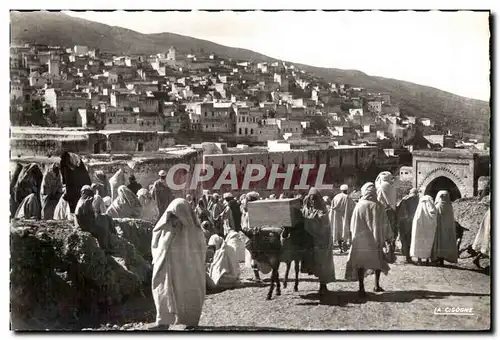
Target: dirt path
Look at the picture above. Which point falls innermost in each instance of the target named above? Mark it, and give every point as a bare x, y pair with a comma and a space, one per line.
412, 294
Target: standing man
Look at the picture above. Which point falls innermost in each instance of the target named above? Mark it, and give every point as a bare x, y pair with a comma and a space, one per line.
161, 192
317, 225
405, 213
207, 199
232, 214
370, 231
341, 212
133, 185
216, 209
387, 196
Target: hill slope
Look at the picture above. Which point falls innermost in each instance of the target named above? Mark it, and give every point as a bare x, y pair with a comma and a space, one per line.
55, 28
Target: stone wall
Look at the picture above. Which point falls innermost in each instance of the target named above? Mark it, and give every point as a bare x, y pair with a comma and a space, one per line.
20, 147
45, 142
166, 139
146, 168
352, 166
130, 141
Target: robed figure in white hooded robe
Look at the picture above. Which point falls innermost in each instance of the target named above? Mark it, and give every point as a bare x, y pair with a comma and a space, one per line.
370, 232
445, 241
179, 279
482, 241
423, 229
340, 217
387, 196
224, 271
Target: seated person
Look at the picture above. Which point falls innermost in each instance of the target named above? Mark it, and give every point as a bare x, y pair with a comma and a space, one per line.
224, 271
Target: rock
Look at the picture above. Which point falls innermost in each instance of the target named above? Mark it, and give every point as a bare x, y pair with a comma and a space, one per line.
469, 212
62, 278
137, 232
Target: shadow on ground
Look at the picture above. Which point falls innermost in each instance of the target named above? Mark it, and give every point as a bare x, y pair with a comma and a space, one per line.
343, 298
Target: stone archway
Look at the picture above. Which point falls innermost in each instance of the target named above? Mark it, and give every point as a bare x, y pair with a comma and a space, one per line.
443, 183
443, 178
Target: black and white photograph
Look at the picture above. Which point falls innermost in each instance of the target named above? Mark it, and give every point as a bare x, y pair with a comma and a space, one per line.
236, 171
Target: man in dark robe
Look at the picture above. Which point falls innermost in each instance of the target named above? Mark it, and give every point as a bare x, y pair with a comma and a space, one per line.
235, 210
86, 219
74, 176
216, 208
133, 185
317, 224
162, 193
405, 213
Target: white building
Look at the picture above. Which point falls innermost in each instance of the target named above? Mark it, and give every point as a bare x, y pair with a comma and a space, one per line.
80, 50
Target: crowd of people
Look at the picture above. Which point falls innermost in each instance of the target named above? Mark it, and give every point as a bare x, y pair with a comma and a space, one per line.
199, 243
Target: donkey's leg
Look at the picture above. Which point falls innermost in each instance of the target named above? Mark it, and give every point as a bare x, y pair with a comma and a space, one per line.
287, 272
271, 288
297, 270
278, 284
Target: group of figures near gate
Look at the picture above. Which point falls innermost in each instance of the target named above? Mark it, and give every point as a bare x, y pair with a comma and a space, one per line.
198, 244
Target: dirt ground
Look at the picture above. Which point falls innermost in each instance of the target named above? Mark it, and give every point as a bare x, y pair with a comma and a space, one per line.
412, 294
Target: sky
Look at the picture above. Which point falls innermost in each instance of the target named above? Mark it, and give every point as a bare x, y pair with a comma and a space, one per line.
446, 50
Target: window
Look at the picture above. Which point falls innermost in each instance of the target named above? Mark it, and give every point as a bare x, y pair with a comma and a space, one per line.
154, 123
110, 121
71, 108
142, 123
124, 119
239, 132
206, 126
213, 125
205, 113
61, 109
147, 123
225, 125
212, 114
251, 131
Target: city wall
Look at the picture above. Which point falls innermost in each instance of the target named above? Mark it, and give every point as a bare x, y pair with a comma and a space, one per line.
353, 166
28, 142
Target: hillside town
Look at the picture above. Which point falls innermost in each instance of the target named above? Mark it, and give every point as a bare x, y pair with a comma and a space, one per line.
114, 214
205, 97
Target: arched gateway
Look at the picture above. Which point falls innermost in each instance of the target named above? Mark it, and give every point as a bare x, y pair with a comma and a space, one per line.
454, 170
